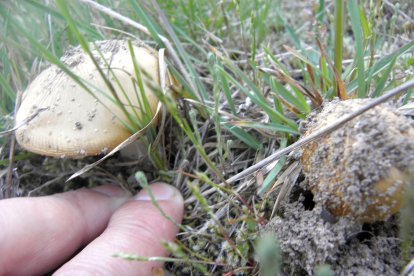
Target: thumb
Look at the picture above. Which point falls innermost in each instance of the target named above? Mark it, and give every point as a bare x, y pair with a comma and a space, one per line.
138, 228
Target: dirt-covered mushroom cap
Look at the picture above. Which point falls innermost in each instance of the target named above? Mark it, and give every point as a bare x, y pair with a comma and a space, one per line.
362, 169
75, 123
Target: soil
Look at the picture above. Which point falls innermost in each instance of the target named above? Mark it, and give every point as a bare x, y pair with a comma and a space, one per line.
310, 238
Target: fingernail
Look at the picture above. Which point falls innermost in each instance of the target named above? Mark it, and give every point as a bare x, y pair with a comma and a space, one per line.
160, 191
111, 190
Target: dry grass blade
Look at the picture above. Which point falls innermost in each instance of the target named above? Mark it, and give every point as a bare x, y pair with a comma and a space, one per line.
341, 90
9, 177
408, 269
162, 65
25, 122
290, 177
290, 107
316, 93
125, 143
287, 79
46, 184
162, 259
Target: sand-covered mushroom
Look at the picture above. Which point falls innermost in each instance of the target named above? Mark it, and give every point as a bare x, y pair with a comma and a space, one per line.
362, 169
74, 122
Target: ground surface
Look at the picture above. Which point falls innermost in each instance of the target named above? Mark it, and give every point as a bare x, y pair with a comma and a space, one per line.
310, 237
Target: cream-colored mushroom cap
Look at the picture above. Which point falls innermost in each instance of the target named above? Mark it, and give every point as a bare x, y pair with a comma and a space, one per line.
76, 123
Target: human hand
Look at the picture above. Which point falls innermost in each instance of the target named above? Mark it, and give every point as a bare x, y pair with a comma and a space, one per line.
40, 234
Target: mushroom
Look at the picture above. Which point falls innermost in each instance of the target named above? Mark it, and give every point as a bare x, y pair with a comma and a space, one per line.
362, 169
76, 123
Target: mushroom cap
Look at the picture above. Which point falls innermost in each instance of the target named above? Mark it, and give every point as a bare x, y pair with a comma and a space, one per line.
362, 169
76, 123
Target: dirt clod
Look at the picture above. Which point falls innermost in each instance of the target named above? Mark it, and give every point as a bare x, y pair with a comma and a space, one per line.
307, 241
362, 169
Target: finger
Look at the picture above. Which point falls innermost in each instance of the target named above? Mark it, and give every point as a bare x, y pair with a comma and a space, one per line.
38, 234
137, 227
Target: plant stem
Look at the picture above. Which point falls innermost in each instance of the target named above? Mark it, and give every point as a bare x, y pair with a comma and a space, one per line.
339, 33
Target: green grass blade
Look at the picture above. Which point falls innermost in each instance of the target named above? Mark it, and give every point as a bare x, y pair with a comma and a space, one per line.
320, 13
382, 64
270, 178
366, 29
359, 46
182, 53
85, 46
275, 171
7, 96
290, 31
339, 34
255, 94
299, 101
152, 27
43, 50
56, 15
244, 137
383, 80
226, 91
